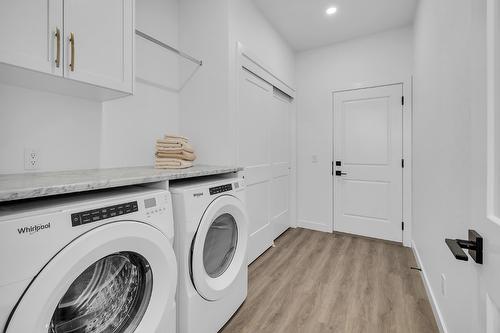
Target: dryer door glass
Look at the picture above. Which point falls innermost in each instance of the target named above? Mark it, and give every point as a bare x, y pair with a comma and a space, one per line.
220, 245
111, 296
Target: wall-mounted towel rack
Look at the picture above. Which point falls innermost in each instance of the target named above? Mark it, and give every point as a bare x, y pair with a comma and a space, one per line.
168, 47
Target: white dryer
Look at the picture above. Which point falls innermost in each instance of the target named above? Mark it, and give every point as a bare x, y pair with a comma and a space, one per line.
211, 230
95, 262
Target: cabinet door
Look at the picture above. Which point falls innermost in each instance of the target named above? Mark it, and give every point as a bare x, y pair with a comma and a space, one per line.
101, 52
28, 34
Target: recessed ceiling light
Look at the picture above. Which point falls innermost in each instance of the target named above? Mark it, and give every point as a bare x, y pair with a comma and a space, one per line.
331, 10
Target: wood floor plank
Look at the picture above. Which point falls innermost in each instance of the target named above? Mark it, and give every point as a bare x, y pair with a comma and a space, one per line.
319, 282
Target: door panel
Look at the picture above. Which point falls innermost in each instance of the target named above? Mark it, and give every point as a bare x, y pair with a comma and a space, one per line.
254, 154
486, 192
102, 50
264, 150
27, 37
280, 161
366, 131
279, 196
366, 199
368, 143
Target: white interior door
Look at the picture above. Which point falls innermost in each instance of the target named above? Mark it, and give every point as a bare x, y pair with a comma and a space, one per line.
28, 34
368, 147
102, 50
255, 104
486, 180
280, 161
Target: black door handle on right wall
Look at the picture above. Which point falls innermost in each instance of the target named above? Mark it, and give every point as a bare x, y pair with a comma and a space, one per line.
474, 245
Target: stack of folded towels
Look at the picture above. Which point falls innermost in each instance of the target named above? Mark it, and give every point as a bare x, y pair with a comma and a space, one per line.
174, 152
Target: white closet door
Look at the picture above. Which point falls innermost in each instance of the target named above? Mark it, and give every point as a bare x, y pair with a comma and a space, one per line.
28, 34
280, 162
255, 104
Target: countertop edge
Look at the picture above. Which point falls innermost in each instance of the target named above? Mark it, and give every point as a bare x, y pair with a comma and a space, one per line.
99, 183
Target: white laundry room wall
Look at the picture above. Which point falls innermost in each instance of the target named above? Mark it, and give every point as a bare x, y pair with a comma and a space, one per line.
203, 33
210, 31
449, 100
66, 131
378, 59
131, 125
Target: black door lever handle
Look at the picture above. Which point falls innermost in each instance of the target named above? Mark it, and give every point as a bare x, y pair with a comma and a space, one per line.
340, 173
474, 245
456, 249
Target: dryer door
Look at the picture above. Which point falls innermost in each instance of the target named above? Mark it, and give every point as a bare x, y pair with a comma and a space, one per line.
119, 277
219, 248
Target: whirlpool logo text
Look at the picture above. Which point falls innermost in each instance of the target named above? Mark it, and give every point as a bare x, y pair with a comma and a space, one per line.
32, 229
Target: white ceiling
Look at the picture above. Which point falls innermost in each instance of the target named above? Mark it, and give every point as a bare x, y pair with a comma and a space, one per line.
305, 25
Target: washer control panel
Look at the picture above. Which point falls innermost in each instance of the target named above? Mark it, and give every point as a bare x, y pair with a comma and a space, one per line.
220, 189
100, 214
155, 206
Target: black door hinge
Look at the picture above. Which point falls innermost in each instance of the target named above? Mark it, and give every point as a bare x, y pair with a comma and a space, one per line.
402, 100
402, 162
402, 226
332, 168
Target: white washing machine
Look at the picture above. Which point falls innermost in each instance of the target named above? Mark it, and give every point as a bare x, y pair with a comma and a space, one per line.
211, 234
95, 262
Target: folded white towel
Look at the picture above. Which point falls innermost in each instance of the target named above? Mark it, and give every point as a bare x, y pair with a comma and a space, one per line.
172, 163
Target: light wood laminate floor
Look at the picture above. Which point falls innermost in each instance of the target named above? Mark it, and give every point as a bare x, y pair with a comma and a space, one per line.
319, 282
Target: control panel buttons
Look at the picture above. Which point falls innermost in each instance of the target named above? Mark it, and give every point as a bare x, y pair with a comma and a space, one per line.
76, 219
103, 213
220, 189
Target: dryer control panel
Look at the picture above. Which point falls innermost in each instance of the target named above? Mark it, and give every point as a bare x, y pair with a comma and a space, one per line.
220, 189
99, 214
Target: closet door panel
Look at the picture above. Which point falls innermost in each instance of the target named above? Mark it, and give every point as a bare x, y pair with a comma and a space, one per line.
280, 162
255, 104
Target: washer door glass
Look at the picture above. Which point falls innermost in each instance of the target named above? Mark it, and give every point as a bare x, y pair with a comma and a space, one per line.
111, 296
220, 245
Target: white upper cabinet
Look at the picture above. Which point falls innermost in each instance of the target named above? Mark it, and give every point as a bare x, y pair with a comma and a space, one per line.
28, 34
99, 42
81, 48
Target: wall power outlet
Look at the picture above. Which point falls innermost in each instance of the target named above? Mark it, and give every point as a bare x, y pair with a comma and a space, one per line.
31, 159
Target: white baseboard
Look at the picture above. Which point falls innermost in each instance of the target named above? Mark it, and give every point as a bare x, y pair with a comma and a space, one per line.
314, 226
430, 294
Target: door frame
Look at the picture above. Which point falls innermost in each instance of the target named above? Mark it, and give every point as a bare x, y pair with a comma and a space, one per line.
407, 154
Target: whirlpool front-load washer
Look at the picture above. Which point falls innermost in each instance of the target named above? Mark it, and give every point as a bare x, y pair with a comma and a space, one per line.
210, 244
95, 262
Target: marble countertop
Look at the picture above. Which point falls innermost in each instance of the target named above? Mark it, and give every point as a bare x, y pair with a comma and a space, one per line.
33, 185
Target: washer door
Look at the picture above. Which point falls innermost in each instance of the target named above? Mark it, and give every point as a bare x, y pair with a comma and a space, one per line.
117, 278
219, 247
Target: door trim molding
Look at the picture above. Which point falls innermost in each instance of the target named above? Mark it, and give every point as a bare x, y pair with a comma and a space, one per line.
407, 84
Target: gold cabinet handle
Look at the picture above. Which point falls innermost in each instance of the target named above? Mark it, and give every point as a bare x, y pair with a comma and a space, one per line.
58, 48
72, 43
